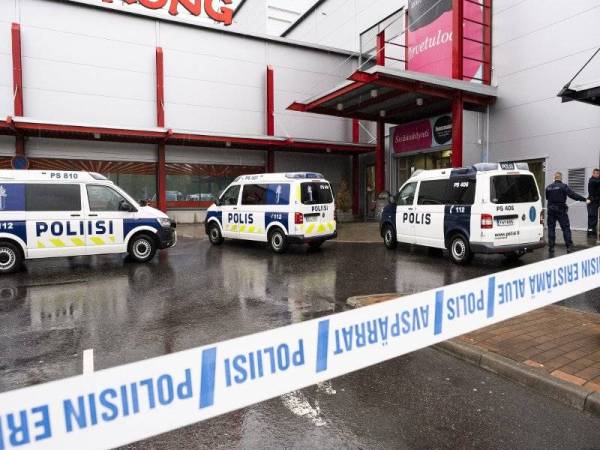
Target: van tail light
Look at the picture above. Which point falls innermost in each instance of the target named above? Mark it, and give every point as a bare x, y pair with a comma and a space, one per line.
487, 222
298, 218
542, 217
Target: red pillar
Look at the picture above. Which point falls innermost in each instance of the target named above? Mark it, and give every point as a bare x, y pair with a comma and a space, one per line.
487, 39
270, 116
160, 88
457, 39
457, 73
380, 158
161, 170
380, 48
355, 169
355, 185
17, 83
457, 130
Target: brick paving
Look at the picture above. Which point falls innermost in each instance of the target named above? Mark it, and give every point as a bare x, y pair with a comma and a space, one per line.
564, 343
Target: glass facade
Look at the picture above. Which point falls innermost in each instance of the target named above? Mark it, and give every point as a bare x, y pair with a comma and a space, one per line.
196, 188
139, 186
188, 185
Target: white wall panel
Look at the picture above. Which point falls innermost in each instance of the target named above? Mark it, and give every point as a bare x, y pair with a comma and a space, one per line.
93, 150
208, 155
339, 23
213, 43
6, 98
85, 21
78, 68
538, 46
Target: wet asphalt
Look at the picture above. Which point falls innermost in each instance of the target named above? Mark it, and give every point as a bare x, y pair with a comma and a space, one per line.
196, 294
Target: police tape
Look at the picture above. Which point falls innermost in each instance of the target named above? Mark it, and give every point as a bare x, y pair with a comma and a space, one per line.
132, 402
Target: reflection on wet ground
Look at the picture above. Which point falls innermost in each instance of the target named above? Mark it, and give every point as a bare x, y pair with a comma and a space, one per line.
196, 294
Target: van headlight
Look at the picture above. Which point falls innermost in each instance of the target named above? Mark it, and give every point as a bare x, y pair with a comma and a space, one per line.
164, 222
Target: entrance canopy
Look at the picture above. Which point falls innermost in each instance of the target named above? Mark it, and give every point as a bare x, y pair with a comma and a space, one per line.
397, 96
584, 86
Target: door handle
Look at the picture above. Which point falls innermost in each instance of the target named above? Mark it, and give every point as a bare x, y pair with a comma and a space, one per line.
75, 215
235, 208
92, 215
411, 209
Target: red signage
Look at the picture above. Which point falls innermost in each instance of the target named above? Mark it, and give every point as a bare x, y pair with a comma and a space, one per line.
412, 136
423, 135
194, 7
429, 38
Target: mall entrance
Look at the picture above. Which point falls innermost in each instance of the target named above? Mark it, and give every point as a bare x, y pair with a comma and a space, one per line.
406, 165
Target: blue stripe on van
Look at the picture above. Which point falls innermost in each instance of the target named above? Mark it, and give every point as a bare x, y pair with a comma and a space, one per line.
130, 224
14, 227
281, 217
216, 214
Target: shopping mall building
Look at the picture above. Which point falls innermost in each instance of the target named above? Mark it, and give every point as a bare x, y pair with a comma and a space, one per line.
172, 99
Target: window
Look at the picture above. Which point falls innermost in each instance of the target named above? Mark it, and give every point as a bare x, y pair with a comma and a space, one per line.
432, 192
102, 198
407, 195
254, 194
196, 188
230, 196
513, 189
138, 186
461, 191
53, 197
315, 193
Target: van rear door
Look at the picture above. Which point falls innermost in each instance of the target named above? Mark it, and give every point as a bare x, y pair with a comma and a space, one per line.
516, 208
317, 207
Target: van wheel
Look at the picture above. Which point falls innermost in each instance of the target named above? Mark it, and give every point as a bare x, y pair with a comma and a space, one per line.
11, 258
278, 241
142, 248
214, 234
389, 237
459, 250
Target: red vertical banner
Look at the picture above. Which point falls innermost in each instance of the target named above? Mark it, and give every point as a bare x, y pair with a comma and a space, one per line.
17, 69
161, 171
380, 158
270, 108
160, 88
444, 38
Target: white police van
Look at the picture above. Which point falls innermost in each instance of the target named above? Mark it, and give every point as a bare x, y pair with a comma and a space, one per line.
486, 208
278, 208
49, 213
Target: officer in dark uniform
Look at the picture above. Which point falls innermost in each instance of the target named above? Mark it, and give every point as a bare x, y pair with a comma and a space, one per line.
556, 195
594, 202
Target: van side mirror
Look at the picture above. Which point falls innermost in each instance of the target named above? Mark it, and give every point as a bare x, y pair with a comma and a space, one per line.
143, 203
126, 206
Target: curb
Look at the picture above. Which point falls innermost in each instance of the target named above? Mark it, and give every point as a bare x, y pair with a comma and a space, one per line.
566, 393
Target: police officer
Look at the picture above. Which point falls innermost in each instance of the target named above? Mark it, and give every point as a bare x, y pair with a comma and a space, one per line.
556, 195
594, 202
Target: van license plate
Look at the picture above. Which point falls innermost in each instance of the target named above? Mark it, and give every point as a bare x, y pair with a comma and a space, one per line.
506, 222
312, 218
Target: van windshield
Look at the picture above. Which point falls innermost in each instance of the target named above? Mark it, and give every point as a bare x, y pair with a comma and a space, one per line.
315, 193
513, 189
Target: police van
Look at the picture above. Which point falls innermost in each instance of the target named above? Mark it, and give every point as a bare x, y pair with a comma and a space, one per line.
486, 208
278, 208
49, 213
